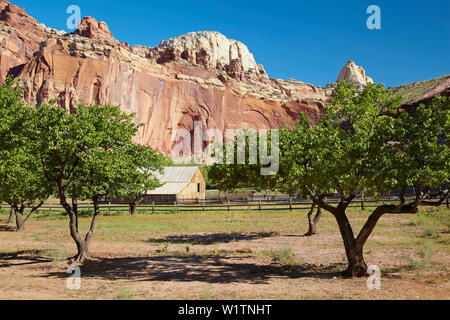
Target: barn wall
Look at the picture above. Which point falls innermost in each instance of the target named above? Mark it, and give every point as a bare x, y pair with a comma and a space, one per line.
191, 191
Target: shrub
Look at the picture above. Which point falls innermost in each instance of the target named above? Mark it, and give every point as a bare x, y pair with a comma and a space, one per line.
283, 256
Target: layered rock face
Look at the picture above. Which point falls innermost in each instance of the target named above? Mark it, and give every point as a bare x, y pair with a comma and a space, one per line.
352, 73
92, 29
213, 50
20, 36
201, 76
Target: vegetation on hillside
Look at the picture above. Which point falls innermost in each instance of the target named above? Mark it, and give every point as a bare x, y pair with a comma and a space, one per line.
412, 91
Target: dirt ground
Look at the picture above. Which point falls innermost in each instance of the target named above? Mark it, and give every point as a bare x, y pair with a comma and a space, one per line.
220, 265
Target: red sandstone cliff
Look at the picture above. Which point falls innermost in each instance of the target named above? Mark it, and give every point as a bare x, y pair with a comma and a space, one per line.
197, 77
200, 76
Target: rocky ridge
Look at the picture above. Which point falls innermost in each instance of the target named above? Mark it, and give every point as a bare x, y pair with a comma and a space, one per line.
168, 87
201, 76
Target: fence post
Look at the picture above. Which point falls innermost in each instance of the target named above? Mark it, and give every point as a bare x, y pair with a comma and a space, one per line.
362, 201
259, 205
203, 205
153, 206
447, 202
290, 203
228, 202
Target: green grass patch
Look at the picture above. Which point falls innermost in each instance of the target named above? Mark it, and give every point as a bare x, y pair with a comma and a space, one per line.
283, 256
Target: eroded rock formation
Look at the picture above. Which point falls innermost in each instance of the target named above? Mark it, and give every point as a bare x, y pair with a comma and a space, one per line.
201, 76
352, 73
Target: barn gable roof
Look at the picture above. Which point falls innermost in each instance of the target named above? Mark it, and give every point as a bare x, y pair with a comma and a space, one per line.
177, 174
169, 189
174, 180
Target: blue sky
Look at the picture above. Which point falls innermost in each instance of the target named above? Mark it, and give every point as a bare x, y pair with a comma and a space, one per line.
306, 40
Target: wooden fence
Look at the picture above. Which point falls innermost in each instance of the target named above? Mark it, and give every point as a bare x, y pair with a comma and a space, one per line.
228, 204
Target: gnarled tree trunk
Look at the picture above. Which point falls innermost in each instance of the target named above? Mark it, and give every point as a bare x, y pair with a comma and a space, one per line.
313, 221
353, 249
82, 244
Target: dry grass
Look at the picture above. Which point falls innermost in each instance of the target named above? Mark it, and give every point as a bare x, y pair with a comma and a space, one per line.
231, 255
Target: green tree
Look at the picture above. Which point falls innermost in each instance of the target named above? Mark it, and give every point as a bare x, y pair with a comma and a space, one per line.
22, 182
86, 155
380, 150
139, 175
361, 143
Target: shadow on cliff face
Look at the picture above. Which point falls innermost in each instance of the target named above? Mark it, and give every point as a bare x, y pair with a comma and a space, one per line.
212, 269
15, 71
206, 239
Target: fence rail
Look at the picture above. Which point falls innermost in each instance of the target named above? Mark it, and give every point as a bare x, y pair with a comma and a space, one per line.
227, 204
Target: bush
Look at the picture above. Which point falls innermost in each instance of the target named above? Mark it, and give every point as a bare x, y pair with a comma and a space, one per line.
283, 256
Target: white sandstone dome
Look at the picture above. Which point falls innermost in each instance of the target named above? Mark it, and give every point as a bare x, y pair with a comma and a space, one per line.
218, 47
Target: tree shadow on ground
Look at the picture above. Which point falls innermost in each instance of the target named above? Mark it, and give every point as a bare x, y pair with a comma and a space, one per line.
7, 228
206, 239
190, 268
21, 258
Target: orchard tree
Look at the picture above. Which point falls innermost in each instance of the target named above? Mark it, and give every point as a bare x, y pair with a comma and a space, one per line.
381, 151
22, 182
362, 143
233, 176
86, 156
138, 176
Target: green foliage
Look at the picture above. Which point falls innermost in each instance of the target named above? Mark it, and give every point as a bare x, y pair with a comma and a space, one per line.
22, 181
361, 143
90, 153
242, 173
410, 150
138, 172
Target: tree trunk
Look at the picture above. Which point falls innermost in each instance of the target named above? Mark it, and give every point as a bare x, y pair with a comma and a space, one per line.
133, 206
83, 245
75, 211
11, 216
20, 226
83, 250
356, 264
313, 222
